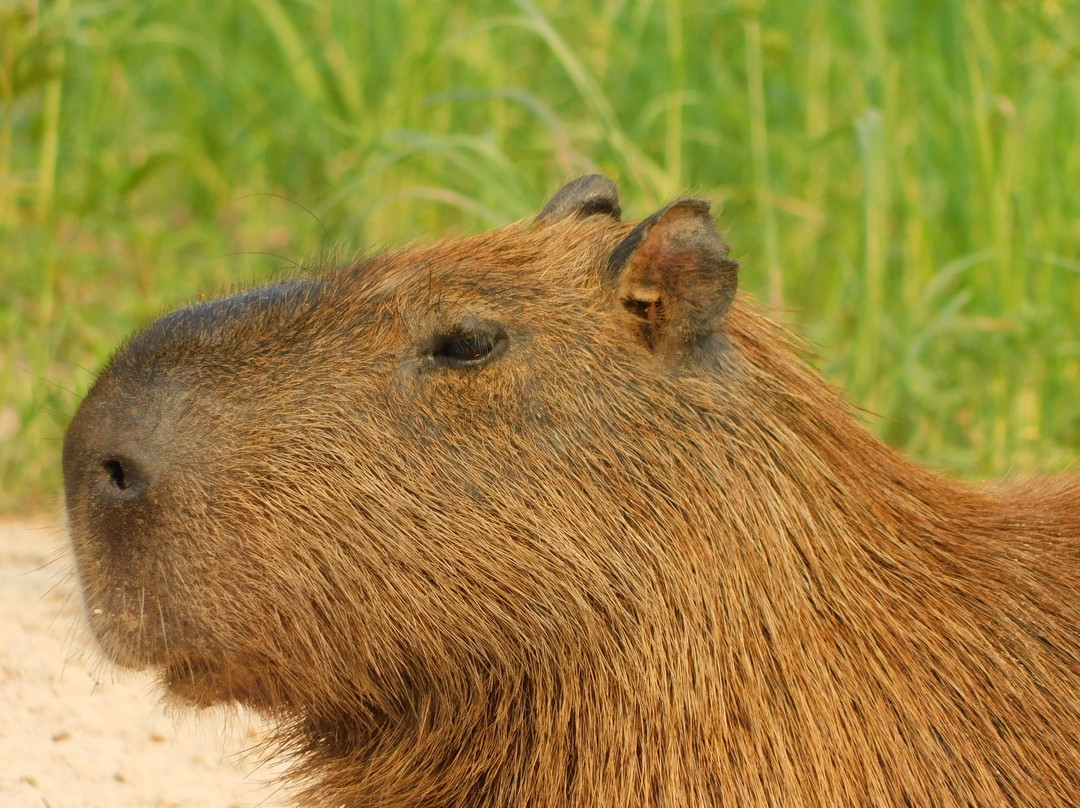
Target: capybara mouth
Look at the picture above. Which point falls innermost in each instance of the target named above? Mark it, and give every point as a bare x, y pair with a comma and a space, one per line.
122, 636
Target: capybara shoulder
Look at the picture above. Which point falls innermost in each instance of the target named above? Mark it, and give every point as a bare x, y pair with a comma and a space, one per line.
552, 516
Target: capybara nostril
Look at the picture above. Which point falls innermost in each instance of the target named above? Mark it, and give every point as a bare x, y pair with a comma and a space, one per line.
120, 480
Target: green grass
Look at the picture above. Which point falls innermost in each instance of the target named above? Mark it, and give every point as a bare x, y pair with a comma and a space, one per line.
901, 180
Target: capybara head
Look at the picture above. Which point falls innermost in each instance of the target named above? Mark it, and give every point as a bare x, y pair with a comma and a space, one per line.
549, 516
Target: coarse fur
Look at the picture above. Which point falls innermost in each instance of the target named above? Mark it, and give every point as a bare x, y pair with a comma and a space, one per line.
542, 517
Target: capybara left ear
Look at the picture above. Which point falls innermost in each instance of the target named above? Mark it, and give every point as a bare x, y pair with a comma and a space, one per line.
586, 196
674, 278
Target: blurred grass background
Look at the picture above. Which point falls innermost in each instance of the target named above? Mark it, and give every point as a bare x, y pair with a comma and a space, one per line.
901, 179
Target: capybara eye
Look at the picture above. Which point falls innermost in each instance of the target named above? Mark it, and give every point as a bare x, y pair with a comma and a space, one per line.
468, 348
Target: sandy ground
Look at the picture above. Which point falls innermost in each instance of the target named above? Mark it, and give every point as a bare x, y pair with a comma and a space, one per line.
75, 732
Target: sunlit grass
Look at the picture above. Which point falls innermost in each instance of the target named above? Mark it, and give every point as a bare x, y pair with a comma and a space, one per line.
901, 180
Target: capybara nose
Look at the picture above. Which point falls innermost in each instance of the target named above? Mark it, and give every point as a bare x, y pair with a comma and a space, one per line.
117, 456
112, 471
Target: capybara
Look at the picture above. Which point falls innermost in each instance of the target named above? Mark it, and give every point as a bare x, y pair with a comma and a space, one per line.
550, 516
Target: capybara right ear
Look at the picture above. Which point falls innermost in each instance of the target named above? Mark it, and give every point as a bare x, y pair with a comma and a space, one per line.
586, 196
674, 278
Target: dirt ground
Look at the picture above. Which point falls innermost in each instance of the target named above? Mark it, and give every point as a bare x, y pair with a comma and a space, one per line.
76, 732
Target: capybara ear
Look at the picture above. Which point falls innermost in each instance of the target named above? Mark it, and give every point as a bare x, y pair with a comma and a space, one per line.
586, 196
674, 278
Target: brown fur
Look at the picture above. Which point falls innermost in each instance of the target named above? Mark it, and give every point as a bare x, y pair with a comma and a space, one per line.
642, 557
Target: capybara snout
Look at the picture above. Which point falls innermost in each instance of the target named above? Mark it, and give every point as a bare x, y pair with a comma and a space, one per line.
552, 516
151, 408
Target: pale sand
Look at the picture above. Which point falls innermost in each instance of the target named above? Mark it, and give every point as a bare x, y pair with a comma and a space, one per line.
76, 732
